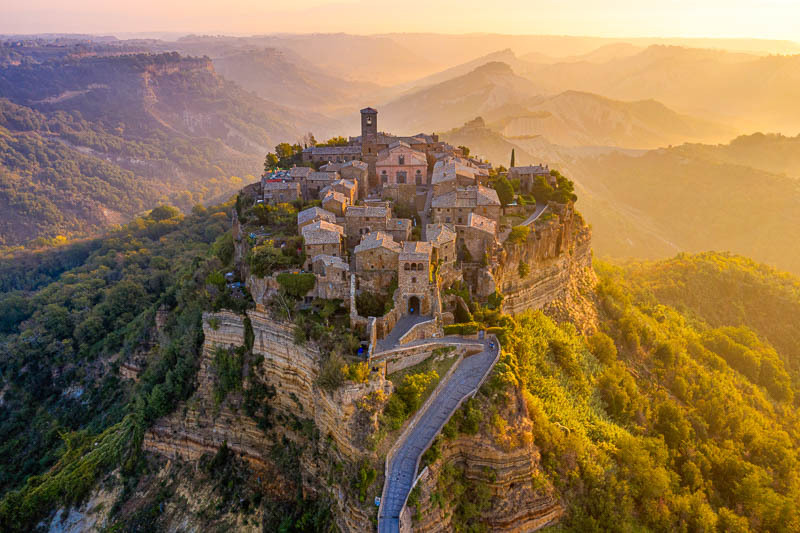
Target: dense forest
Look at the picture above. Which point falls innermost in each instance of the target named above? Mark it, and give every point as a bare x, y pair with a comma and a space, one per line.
679, 414
88, 142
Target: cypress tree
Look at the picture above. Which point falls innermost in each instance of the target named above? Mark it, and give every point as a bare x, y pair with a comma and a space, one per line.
513, 158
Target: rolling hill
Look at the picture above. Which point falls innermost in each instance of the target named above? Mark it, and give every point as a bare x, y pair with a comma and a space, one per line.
516, 109
452, 102
747, 91
89, 141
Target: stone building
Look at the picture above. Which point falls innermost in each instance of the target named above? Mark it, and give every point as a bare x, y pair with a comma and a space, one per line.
323, 154
478, 237
449, 175
335, 202
279, 191
399, 229
322, 238
414, 278
346, 187
375, 260
443, 240
333, 277
315, 182
300, 173
527, 176
360, 220
454, 207
399, 164
313, 214
358, 172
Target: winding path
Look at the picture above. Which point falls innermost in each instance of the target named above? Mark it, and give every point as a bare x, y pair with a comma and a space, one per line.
536, 214
402, 466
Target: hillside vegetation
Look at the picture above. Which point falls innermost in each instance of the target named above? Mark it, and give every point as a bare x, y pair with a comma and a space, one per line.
89, 142
660, 421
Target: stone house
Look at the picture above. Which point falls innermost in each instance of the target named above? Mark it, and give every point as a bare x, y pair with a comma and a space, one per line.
399, 229
312, 214
357, 172
454, 207
322, 238
399, 163
413, 278
346, 187
360, 220
333, 277
323, 154
300, 173
443, 240
279, 191
478, 236
335, 202
449, 174
527, 176
315, 182
376, 260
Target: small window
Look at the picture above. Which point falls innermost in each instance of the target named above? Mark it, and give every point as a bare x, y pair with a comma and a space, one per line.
413, 280
401, 160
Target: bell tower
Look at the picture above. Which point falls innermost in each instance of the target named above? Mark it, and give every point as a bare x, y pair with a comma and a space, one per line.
369, 140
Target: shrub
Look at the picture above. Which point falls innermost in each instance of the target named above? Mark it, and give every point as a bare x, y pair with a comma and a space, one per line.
358, 372
603, 347
523, 269
464, 328
297, 285
332, 374
518, 235
228, 366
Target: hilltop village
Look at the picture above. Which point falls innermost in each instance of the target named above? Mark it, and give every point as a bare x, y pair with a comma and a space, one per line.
382, 270
413, 228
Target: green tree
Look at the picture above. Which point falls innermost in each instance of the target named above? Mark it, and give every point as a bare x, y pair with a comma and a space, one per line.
464, 150
164, 212
271, 162
513, 158
505, 192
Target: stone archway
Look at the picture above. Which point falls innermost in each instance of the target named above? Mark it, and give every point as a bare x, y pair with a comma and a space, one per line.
413, 305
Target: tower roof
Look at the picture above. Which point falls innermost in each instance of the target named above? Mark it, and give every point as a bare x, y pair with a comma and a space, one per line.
369, 110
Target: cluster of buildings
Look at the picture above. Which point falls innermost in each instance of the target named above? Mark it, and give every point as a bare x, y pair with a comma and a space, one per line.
354, 241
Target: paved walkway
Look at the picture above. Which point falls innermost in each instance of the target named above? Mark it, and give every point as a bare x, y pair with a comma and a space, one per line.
400, 328
402, 470
536, 214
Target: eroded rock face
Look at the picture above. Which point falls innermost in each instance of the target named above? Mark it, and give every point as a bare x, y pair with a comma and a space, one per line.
559, 260
517, 504
200, 426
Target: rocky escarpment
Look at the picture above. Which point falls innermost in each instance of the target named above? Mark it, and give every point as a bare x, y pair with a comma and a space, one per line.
559, 272
501, 464
320, 423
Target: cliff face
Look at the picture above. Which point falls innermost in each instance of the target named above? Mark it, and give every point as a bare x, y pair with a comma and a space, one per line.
502, 466
559, 259
324, 425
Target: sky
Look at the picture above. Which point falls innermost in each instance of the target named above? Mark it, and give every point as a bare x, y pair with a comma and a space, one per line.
766, 19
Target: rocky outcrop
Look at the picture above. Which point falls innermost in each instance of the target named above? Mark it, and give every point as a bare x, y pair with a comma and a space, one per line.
200, 426
518, 504
558, 256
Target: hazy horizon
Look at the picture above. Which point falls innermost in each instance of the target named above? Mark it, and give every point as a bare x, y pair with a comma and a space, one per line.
717, 19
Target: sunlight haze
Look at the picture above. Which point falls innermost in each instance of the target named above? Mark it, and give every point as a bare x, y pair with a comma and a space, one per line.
773, 19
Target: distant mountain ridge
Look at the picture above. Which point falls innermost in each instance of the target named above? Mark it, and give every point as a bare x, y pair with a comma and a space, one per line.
517, 107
